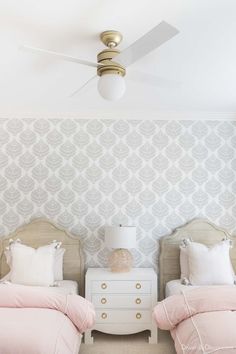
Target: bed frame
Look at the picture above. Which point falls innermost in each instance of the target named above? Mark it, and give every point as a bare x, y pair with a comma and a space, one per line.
40, 232
199, 230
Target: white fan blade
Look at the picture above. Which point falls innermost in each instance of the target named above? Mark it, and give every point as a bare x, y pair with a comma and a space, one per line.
150, 79
58, 55
150, 41
82, 87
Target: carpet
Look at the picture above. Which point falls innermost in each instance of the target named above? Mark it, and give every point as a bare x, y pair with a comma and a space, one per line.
131, 344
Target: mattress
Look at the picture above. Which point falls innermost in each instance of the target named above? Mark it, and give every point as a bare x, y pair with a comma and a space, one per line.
67, 287
175, 287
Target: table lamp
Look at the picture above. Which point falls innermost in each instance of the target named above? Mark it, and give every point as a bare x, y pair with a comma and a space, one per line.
120, 238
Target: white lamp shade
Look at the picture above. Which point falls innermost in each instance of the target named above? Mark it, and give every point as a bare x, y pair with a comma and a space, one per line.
111, 86
120, 236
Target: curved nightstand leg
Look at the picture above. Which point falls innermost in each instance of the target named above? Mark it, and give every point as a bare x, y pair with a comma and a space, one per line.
153, 337
88, 339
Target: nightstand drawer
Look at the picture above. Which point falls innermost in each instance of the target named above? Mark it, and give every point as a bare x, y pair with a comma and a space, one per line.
125, 316
122, 287
122, 301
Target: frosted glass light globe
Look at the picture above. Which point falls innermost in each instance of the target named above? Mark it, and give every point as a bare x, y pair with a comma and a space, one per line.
111, 86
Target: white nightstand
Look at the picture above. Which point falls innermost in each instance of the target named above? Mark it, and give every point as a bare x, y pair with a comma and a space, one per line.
123, 301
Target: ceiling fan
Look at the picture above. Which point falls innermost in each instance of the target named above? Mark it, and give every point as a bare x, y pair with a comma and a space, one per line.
111, 63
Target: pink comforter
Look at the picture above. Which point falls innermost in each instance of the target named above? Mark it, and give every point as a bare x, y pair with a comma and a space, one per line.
201, 320
36, 320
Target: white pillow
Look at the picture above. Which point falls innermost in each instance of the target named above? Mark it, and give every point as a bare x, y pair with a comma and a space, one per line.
210, 266
184, 266
32, 266
58, 262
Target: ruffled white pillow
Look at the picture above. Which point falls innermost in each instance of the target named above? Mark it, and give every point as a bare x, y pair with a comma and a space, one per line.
58, 264
184, 266
58, 260
210, 265
31, 266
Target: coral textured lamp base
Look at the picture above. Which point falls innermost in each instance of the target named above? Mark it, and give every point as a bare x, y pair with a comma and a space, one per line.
120, 260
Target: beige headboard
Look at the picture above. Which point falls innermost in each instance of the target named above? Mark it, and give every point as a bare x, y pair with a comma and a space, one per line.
40, 232
200, 231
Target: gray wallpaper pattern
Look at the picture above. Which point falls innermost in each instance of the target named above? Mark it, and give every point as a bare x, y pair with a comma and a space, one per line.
83, 174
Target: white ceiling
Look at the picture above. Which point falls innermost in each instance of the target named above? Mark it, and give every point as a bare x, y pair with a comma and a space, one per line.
202, 57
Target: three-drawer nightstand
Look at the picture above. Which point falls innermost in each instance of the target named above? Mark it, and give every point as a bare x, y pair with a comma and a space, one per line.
123, 301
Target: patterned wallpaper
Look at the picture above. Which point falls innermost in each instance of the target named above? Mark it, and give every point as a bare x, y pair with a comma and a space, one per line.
84, 174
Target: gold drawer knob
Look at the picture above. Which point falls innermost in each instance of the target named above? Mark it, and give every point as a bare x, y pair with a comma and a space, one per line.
138, 286
138, 316
104, 315
103, 285
103, 300
138, 301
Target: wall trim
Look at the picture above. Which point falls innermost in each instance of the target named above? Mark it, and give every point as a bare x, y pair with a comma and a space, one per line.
119, 114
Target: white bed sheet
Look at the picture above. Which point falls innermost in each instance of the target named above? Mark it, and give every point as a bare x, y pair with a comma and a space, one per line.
68, 287
175, 287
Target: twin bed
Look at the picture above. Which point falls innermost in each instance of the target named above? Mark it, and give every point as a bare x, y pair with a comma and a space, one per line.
36, 319
199, 230
202, 320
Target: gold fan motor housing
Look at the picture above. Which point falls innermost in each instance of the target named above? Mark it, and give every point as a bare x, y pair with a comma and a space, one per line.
111, 39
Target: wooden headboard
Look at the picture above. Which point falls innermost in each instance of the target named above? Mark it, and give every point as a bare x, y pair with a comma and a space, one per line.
40, 232
200, 231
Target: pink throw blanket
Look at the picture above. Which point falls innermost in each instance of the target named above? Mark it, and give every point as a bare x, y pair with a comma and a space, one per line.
201, 320
36, 320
